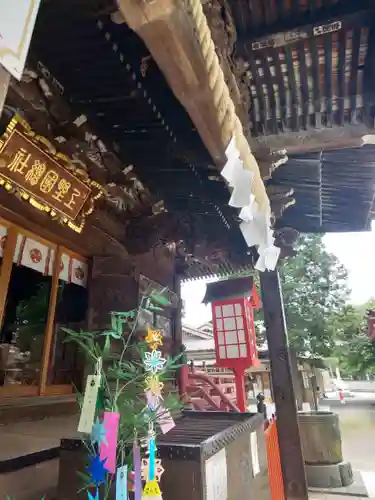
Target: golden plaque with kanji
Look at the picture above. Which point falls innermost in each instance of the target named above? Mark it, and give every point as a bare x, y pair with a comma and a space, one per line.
48, 180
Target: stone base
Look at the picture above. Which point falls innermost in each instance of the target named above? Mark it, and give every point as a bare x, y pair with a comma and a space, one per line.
329, 476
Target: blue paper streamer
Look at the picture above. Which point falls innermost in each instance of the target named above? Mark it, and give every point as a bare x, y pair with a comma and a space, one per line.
152, 458
122, 483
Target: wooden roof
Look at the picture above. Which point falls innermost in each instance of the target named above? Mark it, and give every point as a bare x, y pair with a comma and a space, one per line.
309, 67
306, 91
305, 71
104, 72
334, 190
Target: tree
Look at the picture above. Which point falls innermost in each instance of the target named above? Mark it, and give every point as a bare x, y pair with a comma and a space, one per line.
314, 285
354, 350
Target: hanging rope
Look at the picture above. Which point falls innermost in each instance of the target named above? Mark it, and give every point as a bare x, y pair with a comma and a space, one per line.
230, 124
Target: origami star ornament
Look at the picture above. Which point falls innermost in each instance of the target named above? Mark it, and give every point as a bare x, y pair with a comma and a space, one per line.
154, 385
98, 433
159, 469
153, 338
153, 361
97, 470
96, 497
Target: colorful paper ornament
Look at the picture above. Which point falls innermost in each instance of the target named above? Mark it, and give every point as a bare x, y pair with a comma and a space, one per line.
86, 420
108, 450
97, 470
165, 419
98, 433
153, 361
122, 483
151, 491
154, 338
154, 385
151, 459
159, 469
152, 403
91, 497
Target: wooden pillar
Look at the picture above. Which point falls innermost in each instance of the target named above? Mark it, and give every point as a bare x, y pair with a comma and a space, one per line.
177, 313
292, 463
183, 372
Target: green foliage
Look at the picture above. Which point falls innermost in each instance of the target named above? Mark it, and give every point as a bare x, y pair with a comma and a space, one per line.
315, 289
32, 313
354, 350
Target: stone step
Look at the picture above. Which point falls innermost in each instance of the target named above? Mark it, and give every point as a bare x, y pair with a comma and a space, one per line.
25, 409
31, 483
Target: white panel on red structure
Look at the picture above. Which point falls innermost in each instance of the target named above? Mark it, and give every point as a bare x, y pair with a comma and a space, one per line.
33, 254
65, 264
3, 239
79, 271
218, 312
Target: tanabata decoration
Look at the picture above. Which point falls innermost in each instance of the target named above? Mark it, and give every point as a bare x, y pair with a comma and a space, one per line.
115, 419
91, 497
154, 363
108, 449
98, 433
97, 470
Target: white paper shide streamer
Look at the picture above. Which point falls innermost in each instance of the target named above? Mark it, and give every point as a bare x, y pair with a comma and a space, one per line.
256, 224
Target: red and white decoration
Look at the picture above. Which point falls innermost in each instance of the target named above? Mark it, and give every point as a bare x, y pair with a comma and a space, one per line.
78, 273
40, 257
72, 270
3, 238
33, 254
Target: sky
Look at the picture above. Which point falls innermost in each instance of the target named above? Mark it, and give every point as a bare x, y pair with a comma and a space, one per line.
356, 251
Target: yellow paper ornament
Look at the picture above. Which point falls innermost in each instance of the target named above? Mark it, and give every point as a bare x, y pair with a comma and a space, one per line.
151, 491
154, 338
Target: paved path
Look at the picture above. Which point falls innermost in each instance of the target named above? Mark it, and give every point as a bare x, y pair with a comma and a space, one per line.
324, 496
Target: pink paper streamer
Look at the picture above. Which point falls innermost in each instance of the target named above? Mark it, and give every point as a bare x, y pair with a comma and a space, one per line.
165, 420
108, 451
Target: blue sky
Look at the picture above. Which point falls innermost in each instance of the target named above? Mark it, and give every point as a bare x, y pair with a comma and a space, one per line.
356, 251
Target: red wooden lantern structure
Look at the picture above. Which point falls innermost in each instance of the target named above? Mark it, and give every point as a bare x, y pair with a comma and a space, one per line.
233, 303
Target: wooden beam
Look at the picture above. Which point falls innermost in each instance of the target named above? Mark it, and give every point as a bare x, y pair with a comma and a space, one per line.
292, 462
166, 29
308, 141
6, 268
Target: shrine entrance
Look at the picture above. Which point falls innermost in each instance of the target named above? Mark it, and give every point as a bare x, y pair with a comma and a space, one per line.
43, 290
